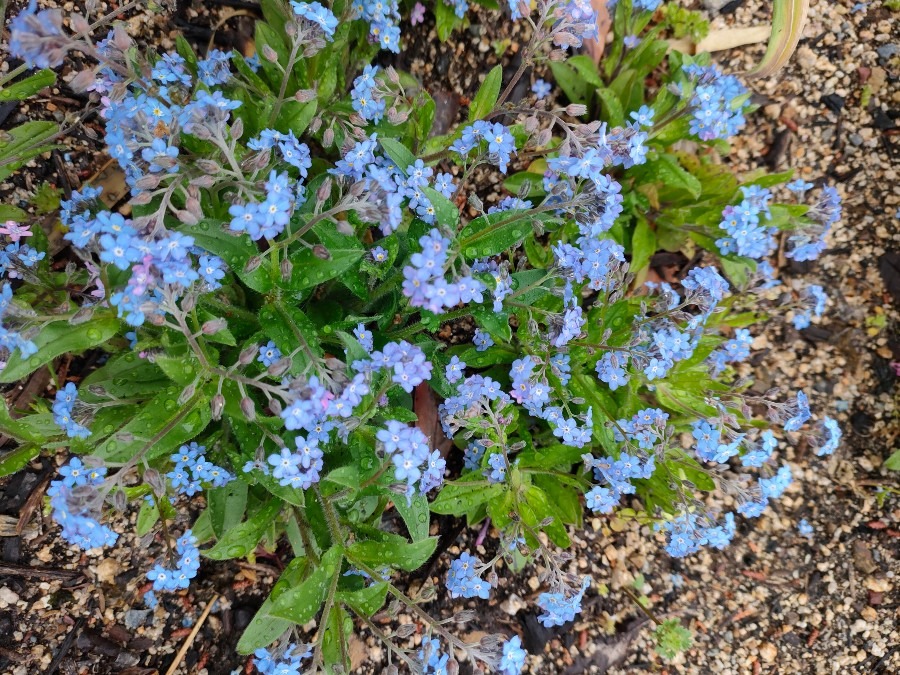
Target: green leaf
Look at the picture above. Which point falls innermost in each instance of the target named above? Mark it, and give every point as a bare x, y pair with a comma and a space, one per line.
486, 98
311, 270
613, 112
788, 20
492, 233
672, 638
535, 180
456, 499
29, 86
147, 517
892, 463
243, 538
366, 600
124, 376
227, 505
18, 430
296, 117
56, 339
265, 628
541, 508
16, 460
415, 515
300, 603
585, 67
557, 455
395, 553
398, 152
445, 19
9, 212
495, 323
445, 211
240, 63
289, 328
160, 426
570, 81
643, 245
236, 251
24, 142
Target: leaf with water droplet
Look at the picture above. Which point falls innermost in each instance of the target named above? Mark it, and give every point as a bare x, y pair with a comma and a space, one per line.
243, 538
301, 602
58, 338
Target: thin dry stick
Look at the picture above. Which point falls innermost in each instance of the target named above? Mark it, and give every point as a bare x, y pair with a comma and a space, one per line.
190, 638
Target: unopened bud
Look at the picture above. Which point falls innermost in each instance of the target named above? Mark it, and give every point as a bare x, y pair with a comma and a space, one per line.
206, 181
186, 217
141, 198
192, 204
452, 667
524, 8
213, 326
531, 124
187, 394
237, 128
475, 202
148, 181
392, 75
321, 252
246, 357
324, 191
278, 368
253, 264
120, 500
328, 137
201, 132
153, 478
287, 268
315, 125
543, 138
82, 315
576, 109
217, 405
558, 55
83, 80
189, 302
121, 38
405, 630
79, 23
248, 407
275, 406
397, 116
343, 227
305, 95
269, 54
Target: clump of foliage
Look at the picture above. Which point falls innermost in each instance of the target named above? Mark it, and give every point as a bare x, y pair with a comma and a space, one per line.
274, 318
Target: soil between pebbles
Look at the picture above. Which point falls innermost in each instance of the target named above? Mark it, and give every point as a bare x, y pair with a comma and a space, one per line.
773, 602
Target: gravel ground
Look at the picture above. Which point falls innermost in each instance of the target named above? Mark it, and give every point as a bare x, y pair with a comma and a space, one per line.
775, 601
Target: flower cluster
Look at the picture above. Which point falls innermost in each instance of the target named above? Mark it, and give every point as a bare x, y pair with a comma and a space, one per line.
63, 408
414, 462
424, 282
718, 102
76, 501
747, 236
290, 661
192, 471
179, 576
367, 100
501, 145
464, 578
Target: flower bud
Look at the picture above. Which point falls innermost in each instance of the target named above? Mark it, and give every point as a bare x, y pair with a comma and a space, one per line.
275, 406
405, 630
392, 75
153, 478
213, 326
141, 198
305, 95
558, 55
321, 252
206, 181
186, 217
189, 302
328, 137
269, 54
576, 109
287, 268
246, 357
83, 80
343, 227
82, 315
148, 181
248, 407
315, 125
208, 166
324, 191
253, 264
278, 368
79, 23
237, 128
217, 405
187, 394
397, 116
120, 500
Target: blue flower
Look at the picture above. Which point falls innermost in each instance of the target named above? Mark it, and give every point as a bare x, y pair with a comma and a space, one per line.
541, 89
464, 581
37, 37
318, 15
482, 340
513, 658
561, 608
